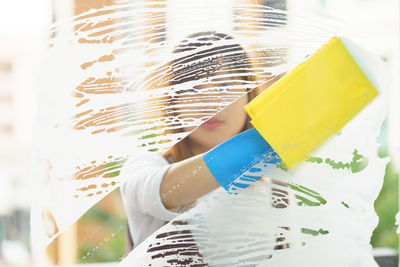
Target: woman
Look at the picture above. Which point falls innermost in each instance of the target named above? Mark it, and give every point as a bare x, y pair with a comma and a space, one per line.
160, 187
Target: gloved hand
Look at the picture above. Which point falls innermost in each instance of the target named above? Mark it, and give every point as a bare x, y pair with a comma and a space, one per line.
230, 159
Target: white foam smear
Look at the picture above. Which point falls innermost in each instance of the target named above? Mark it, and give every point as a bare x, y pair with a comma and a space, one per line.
113, 86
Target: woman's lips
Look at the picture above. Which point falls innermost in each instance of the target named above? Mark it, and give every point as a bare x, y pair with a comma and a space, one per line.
212, 124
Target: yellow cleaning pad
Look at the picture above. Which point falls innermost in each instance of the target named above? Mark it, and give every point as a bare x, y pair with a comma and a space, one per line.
312, 102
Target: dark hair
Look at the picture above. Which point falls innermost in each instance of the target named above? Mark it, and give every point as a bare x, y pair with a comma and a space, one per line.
203, 57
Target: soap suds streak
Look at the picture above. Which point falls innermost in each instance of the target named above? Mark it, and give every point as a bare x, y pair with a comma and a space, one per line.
223, 244
128, 84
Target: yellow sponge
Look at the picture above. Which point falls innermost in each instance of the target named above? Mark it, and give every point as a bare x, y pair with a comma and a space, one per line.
312, 102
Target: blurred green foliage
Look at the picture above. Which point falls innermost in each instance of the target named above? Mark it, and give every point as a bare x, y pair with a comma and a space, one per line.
103, 231
387, 206
387, 203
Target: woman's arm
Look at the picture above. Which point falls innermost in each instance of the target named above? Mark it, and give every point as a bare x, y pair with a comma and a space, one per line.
190, 179
186, 181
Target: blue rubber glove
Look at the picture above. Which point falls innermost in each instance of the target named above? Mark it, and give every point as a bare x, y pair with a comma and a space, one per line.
230, 159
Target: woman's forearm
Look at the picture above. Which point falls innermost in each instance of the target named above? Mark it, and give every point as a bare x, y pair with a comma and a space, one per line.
186, 181
192, 178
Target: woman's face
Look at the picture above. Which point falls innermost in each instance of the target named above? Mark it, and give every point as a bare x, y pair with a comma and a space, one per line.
224, 125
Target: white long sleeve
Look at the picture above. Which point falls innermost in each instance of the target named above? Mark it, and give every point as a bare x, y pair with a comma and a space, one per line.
141, 177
